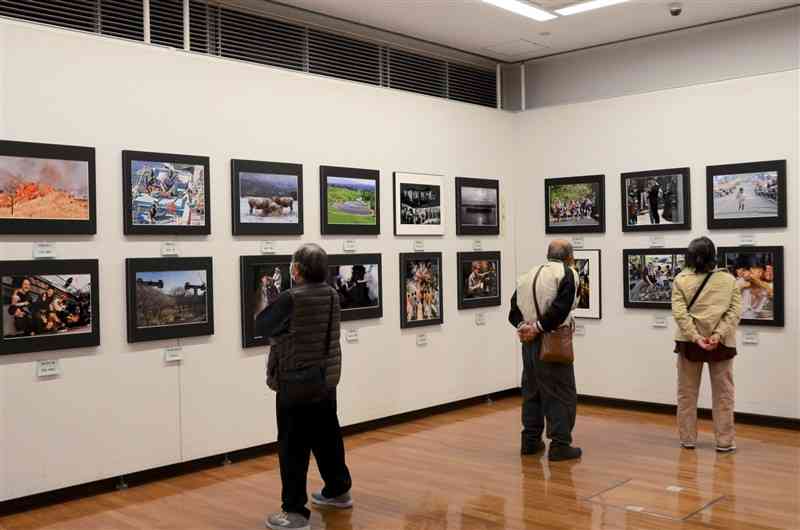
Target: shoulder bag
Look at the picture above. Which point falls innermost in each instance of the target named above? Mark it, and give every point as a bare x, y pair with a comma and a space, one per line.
308, 384
556, 346
700, 290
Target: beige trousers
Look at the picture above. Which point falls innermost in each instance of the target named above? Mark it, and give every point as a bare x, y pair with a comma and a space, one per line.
722, 397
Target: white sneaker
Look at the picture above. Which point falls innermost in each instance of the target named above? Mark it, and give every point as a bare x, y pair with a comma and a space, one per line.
688, 445
726, 448
343, 501
288, 521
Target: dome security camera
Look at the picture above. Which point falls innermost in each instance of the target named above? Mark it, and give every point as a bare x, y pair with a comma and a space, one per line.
675, 9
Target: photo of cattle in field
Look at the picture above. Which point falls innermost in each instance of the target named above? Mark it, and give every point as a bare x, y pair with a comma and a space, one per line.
171, 298
45, 189
268, 198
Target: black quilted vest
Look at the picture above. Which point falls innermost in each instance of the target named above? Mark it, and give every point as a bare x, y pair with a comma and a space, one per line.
304, 346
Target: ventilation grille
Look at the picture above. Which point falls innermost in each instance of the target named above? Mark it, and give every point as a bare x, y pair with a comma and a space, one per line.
235, 34
166, 23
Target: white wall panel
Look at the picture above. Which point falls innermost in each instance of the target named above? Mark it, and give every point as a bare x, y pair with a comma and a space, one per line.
741, 120
119, 408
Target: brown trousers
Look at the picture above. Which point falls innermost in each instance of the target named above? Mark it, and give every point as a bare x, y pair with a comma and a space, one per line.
722, 397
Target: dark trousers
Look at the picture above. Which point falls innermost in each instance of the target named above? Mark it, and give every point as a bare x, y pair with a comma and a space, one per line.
654, 217
548, 392
303, 429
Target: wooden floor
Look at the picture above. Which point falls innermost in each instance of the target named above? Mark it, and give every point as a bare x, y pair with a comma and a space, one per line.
462, 470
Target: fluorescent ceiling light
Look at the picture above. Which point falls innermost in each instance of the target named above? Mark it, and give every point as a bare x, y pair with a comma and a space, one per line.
523, 8
587, 6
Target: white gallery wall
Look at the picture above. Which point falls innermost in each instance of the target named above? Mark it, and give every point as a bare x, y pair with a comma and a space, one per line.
119, 408
740, 120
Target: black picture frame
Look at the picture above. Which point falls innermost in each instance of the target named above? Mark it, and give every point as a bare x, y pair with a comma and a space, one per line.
241, 228
778, 196
405, 260
665, 293
330, 228
778, 287
595, 259
600, 199
34, 270
9, 182
349, 314
467, 258
462, 226
129, 228
683, 195
134, 266
250, 302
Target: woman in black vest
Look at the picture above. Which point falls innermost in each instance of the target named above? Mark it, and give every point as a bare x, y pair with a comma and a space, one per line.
304, 366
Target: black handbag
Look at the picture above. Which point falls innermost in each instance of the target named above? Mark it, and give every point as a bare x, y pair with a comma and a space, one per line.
306, 384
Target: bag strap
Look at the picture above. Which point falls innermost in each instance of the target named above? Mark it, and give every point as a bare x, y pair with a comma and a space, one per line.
535, 299
700, 290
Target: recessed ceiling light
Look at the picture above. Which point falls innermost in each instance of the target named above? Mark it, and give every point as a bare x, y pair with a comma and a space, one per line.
523, 8
587, 6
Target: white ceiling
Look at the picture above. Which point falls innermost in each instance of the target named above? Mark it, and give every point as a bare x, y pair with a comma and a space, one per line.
480, 28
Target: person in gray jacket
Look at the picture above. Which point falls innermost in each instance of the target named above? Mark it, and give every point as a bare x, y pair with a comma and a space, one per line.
304, 367
548, 389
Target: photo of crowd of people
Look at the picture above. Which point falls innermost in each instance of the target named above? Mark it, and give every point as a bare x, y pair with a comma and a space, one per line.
358, 286
746, 195
649, 277
574, 205
655, 199
422, 296
40, 305
164, 192
420, 204
755, 273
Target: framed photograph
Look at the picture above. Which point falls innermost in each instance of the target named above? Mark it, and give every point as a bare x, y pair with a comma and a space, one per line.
759, 274
648, 275
47, 189
751, 195
479, 277
350, 201
169, 298
358, 280
575, 205
656, 200
262, 280
267, 198
165, 194
421, 302
590, 295
49, 305
418, 205
477, 206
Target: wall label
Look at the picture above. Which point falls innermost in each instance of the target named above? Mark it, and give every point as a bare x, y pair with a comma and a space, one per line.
351, 336
477, 245
657, 241
44, 250
659, 321
419, 245
422, 339
580, 330
48, 368
577, 242
750, 336
169, 248
747, 240
268, 247
173, 354
480, 319
349, 245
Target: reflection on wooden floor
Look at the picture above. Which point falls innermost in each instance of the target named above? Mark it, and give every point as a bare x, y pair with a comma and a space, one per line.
462, 470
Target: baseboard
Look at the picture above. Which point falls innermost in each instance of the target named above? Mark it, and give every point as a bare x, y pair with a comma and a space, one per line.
138, 478
663, 408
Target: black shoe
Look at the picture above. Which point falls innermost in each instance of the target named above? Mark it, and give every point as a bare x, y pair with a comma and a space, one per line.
564, 452
532, 448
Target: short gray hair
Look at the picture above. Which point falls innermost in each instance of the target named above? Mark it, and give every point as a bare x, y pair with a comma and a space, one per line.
312, 262
559, 250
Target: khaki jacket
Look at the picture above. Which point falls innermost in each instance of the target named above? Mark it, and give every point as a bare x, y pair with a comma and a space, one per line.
715, 312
